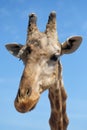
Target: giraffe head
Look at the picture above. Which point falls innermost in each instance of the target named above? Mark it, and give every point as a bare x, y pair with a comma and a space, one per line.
40, 55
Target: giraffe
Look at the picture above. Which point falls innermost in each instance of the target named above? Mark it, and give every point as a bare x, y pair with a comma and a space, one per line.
43, 70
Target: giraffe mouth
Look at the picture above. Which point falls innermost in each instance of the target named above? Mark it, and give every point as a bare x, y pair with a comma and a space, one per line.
24, 106
26, 103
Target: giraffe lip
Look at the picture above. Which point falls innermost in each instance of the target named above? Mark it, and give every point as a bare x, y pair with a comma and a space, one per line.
33, 107
24, 106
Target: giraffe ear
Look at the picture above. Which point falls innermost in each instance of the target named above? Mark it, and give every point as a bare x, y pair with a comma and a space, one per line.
71, 44
14, 48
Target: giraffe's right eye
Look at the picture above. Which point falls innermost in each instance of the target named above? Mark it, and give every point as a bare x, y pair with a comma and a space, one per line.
28, 50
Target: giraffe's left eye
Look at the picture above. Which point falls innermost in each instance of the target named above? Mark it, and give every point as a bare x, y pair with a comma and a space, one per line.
54, 57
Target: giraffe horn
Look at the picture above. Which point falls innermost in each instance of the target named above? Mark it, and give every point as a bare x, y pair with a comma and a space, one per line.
51, 26
32, 27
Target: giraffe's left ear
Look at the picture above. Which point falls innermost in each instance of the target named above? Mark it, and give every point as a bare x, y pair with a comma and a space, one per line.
71, 44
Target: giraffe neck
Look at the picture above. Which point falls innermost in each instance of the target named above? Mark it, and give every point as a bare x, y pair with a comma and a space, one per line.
57, 96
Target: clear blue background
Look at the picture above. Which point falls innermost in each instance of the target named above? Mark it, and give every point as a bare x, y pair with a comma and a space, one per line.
71, 20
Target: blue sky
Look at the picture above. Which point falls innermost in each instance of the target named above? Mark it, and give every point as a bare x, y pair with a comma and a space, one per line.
71, 20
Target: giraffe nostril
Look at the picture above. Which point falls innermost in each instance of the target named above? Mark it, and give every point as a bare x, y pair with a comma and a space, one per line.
19, 94
28, 91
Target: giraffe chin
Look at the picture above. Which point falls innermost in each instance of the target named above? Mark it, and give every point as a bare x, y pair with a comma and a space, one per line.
25, 106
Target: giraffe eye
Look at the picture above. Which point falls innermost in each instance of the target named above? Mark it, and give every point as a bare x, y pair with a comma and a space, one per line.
28, 50
54, 57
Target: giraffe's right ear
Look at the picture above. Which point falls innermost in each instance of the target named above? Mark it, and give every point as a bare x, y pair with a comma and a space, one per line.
14, 48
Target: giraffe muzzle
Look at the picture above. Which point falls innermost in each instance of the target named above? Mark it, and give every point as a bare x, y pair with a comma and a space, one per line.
26, 102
